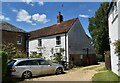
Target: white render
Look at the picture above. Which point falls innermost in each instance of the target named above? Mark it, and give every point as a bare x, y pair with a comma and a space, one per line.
114, 34
73, 42
48, 43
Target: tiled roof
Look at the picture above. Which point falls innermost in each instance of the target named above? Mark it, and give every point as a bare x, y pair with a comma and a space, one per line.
63, 27
8, 27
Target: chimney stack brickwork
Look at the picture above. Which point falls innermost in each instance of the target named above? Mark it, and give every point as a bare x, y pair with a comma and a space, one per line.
59, 18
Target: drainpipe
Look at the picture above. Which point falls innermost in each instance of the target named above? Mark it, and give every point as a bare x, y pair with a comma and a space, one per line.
65, 48
27, 45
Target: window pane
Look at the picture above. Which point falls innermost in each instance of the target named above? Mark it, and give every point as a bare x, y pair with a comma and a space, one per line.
58, 40
19, 39
33, 62
43, 62
39, 42
23, 63
11, 63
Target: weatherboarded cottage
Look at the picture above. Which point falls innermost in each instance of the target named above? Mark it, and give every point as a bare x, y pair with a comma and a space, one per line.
67, 38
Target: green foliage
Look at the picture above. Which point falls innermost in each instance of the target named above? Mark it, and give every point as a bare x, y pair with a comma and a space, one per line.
4, 63
19, 54
98, 28
35, 56
10, 49
105, 76
12, 52
57, 58
117, 47
99, 57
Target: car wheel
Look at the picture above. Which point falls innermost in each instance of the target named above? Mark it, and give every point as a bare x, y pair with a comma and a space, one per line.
26, 74
59, 70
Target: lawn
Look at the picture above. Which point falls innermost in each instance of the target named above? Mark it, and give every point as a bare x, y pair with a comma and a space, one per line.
106, 75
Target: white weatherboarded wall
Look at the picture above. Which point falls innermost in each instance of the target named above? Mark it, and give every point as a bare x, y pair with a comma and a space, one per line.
114, 35
48, 43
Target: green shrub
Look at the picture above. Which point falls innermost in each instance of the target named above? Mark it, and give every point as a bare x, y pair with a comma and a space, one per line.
57, 58
19, 54
4, 63
35, 56
117, 46
99, 57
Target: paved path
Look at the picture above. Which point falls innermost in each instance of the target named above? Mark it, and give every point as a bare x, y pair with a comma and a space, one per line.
76, 74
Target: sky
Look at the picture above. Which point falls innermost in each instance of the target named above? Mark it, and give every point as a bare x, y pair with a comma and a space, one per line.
35, 15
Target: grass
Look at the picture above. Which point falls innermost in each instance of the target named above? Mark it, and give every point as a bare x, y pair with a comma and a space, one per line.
106, 75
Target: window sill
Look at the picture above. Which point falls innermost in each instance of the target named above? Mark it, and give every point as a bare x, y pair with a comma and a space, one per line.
19, 43
58, 46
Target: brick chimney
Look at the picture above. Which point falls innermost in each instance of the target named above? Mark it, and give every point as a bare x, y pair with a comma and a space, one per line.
59, 18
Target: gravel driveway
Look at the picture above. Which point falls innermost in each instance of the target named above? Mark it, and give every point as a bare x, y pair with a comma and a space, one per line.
75, 74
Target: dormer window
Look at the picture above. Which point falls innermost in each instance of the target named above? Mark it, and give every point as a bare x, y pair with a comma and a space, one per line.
19, 40
58, 40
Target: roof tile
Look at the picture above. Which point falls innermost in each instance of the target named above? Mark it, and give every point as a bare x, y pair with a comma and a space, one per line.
63, 27
8, 27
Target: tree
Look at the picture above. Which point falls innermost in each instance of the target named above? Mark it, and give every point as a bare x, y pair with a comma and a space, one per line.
98, 28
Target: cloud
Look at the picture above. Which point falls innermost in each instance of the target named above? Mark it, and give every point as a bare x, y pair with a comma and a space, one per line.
84, 16
27, 1
23, 15
2, 17
33, 24
89, 10
40, 18
40, 3
32, 4
14, 10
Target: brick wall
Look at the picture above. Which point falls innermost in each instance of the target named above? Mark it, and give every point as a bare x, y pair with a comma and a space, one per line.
11, 37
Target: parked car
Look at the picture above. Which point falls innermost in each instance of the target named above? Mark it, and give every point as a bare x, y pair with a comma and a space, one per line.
28, 67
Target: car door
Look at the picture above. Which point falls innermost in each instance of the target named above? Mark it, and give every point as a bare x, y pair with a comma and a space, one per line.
47, 68
21, 67
35, 67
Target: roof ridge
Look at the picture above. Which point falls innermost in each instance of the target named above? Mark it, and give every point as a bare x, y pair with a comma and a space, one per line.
63, 27
52, 25
10, 26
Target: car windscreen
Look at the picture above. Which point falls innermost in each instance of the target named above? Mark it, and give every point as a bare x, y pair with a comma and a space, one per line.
11, 63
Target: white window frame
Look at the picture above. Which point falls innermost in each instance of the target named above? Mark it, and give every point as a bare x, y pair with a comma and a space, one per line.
39, 42
19, 41
58, 40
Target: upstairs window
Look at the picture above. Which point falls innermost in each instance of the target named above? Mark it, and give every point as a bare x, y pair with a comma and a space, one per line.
58, 40
19, 39
39, 42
